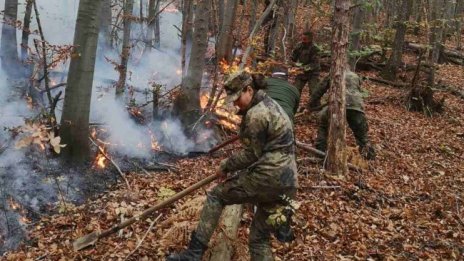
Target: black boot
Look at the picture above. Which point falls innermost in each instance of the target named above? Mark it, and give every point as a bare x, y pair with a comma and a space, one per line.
194, 252
368, 152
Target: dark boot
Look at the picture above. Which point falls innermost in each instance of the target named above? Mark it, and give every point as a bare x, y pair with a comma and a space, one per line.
194, 252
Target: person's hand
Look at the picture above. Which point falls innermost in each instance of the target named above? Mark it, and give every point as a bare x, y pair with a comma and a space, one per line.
221, 175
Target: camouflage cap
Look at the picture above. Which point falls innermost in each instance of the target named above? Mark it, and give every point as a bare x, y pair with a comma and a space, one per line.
235, 84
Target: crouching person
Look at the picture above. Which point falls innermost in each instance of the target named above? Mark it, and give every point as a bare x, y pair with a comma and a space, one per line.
267, 172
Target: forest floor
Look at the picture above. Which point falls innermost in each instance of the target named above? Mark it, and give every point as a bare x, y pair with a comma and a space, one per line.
407, 205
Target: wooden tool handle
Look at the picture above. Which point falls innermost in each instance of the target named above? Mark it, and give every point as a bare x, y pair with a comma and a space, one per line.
158, 206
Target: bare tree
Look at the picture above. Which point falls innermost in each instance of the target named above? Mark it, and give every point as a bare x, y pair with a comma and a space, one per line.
76, 109
105, 22
336, 152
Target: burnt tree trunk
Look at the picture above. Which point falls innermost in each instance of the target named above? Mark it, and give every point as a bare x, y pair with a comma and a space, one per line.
336, 151
391, 68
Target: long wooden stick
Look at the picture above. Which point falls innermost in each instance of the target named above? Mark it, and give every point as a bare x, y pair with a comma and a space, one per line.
93, 237
321, 154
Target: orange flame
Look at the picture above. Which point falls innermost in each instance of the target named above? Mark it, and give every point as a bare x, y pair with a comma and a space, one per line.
100, 160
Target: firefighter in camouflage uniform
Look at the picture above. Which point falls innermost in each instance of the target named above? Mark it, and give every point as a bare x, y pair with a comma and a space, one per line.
267, 175
307, 55
355, 114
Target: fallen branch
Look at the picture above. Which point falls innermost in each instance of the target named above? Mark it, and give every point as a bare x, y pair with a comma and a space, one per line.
394, 84
321, 154
144, 236
453, 90
112, 162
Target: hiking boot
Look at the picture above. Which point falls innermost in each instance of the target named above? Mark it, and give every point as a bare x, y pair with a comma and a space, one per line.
194, 252
284, 233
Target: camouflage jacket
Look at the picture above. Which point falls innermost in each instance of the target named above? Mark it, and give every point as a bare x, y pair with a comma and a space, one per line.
354, 98
285, 94
266, 134
309, 56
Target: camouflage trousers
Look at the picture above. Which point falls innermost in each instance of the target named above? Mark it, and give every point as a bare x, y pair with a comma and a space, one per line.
312, 79
358, 124
237, 190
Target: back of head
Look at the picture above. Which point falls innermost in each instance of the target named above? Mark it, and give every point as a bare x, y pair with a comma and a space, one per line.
280, 71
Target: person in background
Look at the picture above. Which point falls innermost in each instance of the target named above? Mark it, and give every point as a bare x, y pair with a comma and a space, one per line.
355, 114
307, 56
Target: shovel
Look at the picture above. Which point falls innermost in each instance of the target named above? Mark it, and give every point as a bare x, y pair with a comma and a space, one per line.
92, 238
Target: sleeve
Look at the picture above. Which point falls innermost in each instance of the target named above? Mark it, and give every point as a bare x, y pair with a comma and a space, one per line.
253, 138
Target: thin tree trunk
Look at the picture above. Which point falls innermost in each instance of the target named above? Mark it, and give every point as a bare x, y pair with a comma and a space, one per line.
459, 16
76, 109
290, 14
126, 46
390, 70
9, 45
26, 31
336, 149
187, 17
254, 31
358, 18
105, 22
225, 42
187, 104
254, 7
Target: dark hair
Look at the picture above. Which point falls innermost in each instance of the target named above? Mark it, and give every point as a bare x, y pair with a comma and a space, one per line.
258, 81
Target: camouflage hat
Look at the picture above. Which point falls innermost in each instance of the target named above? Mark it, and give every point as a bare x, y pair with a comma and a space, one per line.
235, 84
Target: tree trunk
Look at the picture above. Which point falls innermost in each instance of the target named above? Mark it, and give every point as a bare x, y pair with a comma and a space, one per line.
290, 14
186, 40
105, 22
153, 34
26, 30
224, 247
76, 109
9, 45
438, 21
391, 68
254, 7
459, 17
187, 104
336, 152
225, 42
126, 46
358, 17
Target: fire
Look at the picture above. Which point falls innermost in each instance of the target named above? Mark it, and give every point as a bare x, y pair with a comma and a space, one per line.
100, 160
178, 71
13, 205
227, 68
227, 118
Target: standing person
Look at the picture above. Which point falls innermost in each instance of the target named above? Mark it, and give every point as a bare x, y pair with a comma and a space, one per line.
268, 177
307, 54
355, 115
